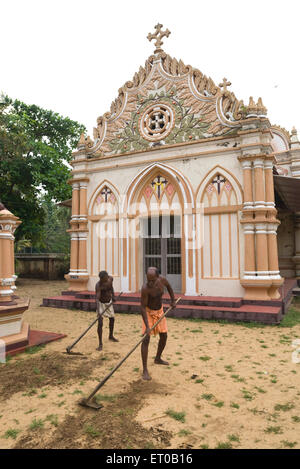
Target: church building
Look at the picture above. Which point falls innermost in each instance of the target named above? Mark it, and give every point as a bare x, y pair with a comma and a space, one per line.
182, 175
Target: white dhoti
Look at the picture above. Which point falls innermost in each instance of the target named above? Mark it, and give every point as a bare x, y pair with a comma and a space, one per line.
109, 313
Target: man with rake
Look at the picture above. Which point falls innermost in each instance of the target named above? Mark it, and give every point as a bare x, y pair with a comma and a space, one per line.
104, 296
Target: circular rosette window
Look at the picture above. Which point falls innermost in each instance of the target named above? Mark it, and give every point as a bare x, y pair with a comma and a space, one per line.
157, 121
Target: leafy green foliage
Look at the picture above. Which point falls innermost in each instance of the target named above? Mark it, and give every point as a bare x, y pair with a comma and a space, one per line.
187, 125
35, 148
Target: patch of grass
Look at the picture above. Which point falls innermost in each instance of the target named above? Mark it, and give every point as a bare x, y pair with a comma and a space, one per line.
234, 405
29, 411
261, 390
204, 446
291, 318
248, 395
184, 432
296, 419
42, 396
205, 358
199, 381
196, 330
225, 445
53, 419
32, 392
35, 424
284, 407
77, 391
233, 438
11, 433
207, 397
179, 416
276, 430
91, 431
288, 444
219, 404
228, 367
34, 349
238, 379
61, 403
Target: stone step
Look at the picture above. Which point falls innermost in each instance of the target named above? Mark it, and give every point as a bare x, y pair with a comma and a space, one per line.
257, 313
189, 300
296, 291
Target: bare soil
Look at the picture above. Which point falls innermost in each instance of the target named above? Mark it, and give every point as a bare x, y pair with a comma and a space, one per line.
227, 385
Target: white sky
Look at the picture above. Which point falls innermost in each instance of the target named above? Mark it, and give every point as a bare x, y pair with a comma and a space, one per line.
72, 56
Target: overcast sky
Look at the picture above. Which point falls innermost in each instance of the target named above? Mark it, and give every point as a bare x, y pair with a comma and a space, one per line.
72, 56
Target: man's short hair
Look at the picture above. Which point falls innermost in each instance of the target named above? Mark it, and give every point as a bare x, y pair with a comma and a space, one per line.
103, 274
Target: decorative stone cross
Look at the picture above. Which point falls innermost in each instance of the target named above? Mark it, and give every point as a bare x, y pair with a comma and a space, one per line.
218, 181
224, 84
158, 36
157, 183
157, 121
105, 191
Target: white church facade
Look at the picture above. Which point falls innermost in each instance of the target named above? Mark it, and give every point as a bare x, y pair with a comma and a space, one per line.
180, 175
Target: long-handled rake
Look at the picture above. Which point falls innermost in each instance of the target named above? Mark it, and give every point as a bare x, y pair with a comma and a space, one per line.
69, 348
94, 405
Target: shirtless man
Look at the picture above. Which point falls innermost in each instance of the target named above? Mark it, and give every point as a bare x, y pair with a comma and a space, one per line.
104, 296
152, 310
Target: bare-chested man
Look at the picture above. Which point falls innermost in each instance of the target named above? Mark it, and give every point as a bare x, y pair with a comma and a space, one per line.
152, 310
104, 296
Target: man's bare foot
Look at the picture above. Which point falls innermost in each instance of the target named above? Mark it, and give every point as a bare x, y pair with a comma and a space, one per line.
113, 339
99, 348
146, 376
159, 361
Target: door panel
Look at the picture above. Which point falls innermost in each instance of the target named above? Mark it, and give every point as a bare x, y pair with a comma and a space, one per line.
163, 252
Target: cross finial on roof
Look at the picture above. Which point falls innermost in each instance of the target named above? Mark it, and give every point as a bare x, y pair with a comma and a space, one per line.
224, 84
158, 36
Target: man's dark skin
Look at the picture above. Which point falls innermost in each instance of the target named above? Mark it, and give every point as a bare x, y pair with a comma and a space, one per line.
105, 294
151, 297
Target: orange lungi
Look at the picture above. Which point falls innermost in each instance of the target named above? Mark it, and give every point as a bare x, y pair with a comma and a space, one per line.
153, 317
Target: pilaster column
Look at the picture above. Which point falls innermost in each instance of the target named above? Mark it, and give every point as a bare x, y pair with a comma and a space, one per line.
75, 202
82, 218
269, 184
249, 262
297, 244
78, 275
247, 179
82, 253
74, 253
188, 220
8, 225
262, 264
259, 186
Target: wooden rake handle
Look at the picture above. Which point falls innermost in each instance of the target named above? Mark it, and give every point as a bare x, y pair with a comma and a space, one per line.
126, 356
91, 325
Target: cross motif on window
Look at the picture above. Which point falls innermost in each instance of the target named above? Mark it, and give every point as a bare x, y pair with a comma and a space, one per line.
105, 192
218, 181
157, 183
157, 121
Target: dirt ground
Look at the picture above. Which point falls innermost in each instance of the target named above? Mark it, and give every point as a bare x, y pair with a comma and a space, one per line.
226, 386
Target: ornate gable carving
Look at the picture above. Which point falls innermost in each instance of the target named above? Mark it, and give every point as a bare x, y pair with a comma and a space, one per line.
166, 102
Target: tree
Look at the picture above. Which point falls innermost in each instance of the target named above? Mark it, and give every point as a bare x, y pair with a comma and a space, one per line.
35, 147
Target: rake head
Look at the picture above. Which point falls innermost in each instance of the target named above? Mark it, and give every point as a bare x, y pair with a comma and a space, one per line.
92, 404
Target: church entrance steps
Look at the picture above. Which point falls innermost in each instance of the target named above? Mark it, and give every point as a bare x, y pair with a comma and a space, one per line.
189, 300
231, 309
